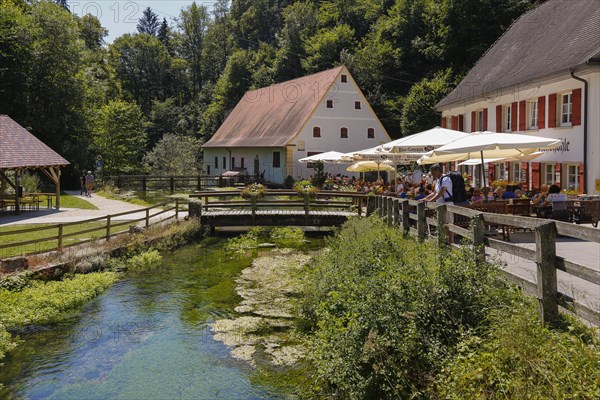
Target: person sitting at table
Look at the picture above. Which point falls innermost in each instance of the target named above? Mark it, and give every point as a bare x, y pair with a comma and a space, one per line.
498, 193
476, 197
519, 194
556, 203
487, 196
508, 194
421, 194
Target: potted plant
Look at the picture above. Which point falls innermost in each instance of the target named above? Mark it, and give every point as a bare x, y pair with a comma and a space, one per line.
305, 187
253, 190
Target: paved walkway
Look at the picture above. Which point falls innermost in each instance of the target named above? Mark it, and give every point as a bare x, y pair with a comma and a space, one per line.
53, 216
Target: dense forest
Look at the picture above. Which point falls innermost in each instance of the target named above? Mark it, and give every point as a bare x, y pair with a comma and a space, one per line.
147, 101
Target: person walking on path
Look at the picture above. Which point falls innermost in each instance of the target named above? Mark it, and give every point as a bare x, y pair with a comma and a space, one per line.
89, 183
83, 190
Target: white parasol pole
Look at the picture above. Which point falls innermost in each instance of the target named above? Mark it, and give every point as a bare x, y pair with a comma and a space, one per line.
482, 171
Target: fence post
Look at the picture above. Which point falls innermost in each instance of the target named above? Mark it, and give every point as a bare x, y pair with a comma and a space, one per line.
147, 217
119, 181
396, 209
144, 183
380, 205
176, 209
59, 246
405, 216
442, 235
199, 185
421, 222
107, 228
545, 248
478, 237
389, 209
359, 202
172, 184
253, 201
306, 203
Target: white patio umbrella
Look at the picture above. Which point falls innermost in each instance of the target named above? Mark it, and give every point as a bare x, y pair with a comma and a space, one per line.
484, 145
372, 154
327, 157
422, 142
477, 161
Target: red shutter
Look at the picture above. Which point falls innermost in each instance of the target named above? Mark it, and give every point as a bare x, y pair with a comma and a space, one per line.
498, 118
522, 111
541, 112
552, 111
513, 116
443, 122
473, 123
485, 119
461, 122
576, 99
455, 122
557, 169
536, 177
491, 173
581, 172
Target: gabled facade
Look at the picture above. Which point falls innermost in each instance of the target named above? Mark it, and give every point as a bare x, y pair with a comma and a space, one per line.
271, 128
542, 77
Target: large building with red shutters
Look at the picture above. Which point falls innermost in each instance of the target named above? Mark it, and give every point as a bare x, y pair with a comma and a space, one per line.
542, 77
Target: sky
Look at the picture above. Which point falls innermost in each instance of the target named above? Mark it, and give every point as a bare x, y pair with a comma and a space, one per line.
121, 17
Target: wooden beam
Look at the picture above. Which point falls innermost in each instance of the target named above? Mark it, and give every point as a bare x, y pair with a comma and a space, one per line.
5, 178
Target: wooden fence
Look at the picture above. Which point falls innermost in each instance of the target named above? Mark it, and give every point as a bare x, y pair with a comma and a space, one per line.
108, 225
440, 221
144, 183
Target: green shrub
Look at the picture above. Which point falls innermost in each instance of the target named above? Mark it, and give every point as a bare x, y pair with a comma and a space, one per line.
44, 302
387, 315
519, 359
144, 261
289, 182
288, 236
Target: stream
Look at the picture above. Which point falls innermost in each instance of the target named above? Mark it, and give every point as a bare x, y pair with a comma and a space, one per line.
147, 337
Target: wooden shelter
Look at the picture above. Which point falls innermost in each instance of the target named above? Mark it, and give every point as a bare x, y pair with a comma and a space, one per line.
21, 150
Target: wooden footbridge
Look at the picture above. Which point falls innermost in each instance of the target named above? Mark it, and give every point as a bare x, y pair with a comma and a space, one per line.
277, 208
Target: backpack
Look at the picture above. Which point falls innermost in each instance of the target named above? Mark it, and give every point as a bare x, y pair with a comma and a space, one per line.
459, 192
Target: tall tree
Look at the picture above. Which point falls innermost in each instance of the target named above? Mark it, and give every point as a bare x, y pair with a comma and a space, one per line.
164, 33
193, 23
219, 42
148, 23
142, 64
120, 137
92, 32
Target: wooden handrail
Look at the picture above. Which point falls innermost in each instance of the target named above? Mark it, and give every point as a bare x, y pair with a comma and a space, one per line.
106, 227
406, 215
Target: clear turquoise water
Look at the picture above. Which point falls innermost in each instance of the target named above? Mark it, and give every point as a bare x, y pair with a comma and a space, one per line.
147, 337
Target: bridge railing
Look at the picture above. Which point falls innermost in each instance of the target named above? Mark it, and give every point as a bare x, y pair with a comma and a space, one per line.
441, 222
283, 198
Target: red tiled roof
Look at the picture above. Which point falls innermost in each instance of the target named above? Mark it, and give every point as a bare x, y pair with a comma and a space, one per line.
20, 149
273, 115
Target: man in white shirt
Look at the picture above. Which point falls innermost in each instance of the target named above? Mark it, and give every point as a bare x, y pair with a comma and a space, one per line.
443, 186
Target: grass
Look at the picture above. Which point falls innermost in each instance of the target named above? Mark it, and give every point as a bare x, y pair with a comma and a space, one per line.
129, 199
46, 245
71, 201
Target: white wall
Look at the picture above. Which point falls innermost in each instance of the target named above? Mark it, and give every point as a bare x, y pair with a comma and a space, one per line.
573, 136
330, 121
265, 156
